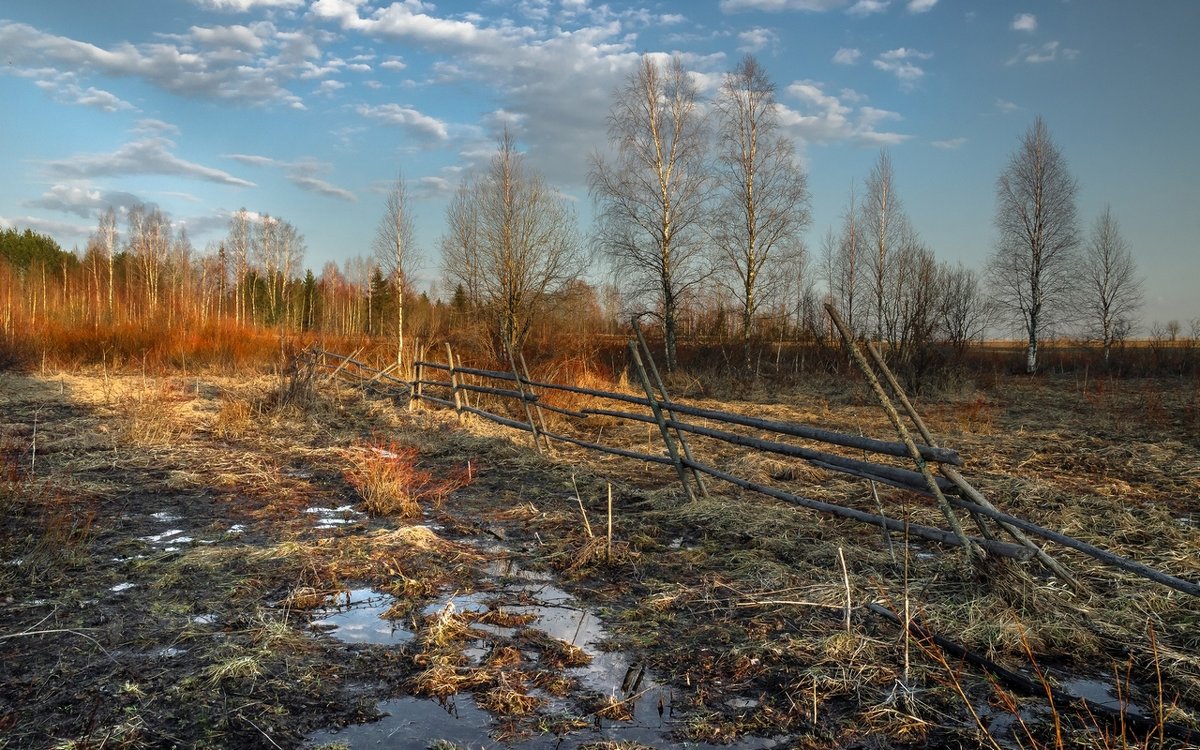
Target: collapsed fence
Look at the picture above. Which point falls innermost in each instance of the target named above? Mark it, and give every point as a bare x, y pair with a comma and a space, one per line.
447, 384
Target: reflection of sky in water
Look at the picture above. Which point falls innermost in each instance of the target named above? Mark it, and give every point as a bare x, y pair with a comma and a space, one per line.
416, 723
361, 620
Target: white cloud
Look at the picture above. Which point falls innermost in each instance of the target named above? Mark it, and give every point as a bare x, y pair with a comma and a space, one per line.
407, 118
847, 56
175, 65
303, 173
83, 201
241, 6
393, 63
733, 6
66, 91
145, 157
756, 39
1025, 22
1005, 106
899, 62
1035, 54
868, 7
820, 117
950, 144
151, 125
60, 231
921, 6
232, 37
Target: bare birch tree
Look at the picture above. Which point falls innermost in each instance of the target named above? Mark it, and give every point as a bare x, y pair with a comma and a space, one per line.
460, 244
1034, 268
885, 231
844, 265
523, 245
1112, 291
106, 240
652, 195
961, 309
239, 242
394, 248
764, 193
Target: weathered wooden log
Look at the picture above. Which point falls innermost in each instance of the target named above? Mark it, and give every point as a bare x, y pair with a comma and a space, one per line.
891, 475
1038, 689
636, 359
914, 451
1104, 556
1005, 549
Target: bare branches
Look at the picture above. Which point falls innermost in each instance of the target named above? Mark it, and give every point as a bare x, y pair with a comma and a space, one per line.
652, 195
1112, 291
1032, 272
512, 242
764, 203
395, 250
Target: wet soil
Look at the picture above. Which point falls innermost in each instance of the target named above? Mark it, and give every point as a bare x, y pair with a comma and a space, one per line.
184, 563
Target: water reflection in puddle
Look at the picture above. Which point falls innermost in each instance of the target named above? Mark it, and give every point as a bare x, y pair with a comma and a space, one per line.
359, 619
613, 676
416, 723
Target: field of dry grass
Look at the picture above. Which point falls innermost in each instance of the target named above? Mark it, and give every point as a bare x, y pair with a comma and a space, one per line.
172, 541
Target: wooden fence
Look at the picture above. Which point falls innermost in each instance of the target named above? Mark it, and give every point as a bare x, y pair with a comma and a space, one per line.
451, 385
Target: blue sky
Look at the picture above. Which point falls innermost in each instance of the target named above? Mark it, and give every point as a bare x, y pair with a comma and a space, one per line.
307, 109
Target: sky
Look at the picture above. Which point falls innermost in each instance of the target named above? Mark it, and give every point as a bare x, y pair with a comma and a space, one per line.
308, 110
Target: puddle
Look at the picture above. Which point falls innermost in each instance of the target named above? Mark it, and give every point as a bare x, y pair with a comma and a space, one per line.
359, 619
122, 587
333, 518
165, 516
416, 723
419, 722
1102, 693
237, 528
166, 535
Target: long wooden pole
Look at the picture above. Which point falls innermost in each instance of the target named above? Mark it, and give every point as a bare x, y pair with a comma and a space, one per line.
512, 361
658, 416
662, 389
952, 474
971, 549
458, 406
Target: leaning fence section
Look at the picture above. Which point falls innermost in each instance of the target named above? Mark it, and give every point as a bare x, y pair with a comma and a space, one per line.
914, 464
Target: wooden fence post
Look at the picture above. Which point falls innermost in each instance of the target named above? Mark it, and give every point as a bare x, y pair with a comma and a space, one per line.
512, 362
662, 388
454, 381
658, 417
952, 474
973, 551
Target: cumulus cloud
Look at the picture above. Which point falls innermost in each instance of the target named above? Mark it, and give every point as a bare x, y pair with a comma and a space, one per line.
408, 118
1026, 22
950, 144
1035, 54
899, 62
921, 6
65, 90
733, 6
821, 117
151, 125
756, 39
200, 64
242, 6
847, 56
83, 201
1005, 106
65, 233
304, 173
868, 7
149, 156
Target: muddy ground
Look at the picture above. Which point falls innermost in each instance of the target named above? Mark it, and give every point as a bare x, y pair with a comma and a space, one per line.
191, 561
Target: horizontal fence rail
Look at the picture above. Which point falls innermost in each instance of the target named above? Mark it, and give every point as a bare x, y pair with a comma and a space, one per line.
452, 393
